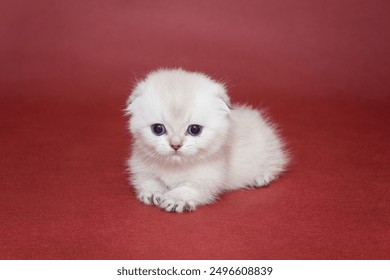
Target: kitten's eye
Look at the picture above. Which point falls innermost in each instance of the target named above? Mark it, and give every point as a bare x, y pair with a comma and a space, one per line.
158, 129
194, 129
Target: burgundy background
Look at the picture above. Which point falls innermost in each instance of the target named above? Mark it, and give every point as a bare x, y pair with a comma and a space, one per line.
320, 68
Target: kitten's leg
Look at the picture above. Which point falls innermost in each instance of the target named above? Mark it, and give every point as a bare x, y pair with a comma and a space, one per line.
149, 191
186, 197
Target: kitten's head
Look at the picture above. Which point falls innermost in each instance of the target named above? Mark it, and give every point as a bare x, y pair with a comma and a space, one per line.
178, 116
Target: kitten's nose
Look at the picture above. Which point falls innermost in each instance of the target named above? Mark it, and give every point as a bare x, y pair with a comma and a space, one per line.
176, 146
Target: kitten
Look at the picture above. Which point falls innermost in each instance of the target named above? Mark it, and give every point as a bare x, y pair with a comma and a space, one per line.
190, 145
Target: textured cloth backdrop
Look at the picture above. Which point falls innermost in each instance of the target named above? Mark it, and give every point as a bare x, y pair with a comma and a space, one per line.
319, 68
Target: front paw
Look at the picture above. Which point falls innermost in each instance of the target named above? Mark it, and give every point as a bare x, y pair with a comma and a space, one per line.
150, 198
178, 206
180, 199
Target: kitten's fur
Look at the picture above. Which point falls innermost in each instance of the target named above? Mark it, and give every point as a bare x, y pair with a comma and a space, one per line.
236, 148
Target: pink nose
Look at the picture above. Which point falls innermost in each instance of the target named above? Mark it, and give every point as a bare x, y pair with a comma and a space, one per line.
175, 146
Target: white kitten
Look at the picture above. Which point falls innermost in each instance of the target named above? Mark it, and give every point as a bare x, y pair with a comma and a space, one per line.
190, 144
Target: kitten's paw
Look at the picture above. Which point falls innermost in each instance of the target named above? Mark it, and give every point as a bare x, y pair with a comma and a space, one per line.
180, 199
150, 198
178, 206
262, 181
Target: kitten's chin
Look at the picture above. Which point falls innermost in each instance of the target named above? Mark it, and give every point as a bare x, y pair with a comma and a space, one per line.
176, 158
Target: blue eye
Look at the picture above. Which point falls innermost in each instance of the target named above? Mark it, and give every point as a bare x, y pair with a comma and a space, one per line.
194, 129
158, 129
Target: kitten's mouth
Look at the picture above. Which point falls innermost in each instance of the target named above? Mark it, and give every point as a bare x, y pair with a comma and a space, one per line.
176, 155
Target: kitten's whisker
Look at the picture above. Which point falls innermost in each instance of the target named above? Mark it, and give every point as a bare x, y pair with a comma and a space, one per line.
196, 159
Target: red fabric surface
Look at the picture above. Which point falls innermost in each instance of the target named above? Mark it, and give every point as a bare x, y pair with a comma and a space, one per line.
320, 68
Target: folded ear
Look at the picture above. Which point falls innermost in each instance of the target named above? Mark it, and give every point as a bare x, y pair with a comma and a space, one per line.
222, 94
133, 96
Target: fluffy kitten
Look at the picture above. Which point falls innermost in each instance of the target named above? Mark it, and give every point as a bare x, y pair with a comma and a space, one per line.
190, 145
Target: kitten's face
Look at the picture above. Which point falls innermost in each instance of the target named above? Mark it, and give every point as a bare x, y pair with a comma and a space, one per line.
179, 116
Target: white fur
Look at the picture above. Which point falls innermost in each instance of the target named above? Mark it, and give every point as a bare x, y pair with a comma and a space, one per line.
237, 147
